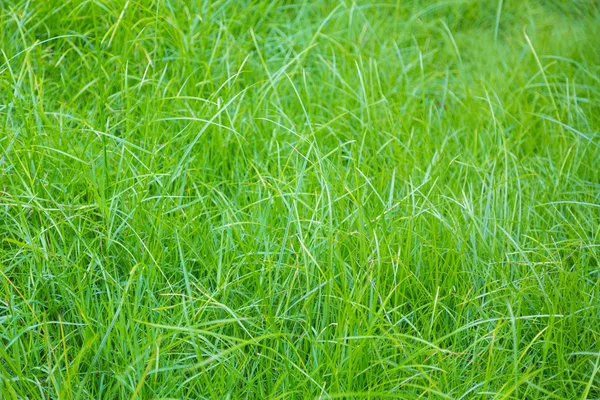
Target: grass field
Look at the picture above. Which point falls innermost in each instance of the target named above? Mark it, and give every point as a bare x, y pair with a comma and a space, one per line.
299, 199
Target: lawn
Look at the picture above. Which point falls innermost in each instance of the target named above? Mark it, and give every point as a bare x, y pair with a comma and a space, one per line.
282, 199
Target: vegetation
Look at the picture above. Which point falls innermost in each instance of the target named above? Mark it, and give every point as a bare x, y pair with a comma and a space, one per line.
299, 199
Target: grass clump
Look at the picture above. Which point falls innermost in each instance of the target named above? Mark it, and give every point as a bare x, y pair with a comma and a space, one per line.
297, 199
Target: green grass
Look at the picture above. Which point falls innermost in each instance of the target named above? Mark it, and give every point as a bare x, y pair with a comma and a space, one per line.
299, 199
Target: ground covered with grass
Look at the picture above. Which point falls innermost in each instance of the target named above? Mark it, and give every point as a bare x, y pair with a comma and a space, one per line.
298, 199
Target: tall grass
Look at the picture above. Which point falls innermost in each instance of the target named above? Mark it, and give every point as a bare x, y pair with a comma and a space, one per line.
297, 199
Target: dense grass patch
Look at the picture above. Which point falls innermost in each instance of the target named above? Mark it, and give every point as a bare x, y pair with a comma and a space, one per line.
298, 199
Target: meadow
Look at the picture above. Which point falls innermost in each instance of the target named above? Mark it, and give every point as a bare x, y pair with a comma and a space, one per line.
280, 199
